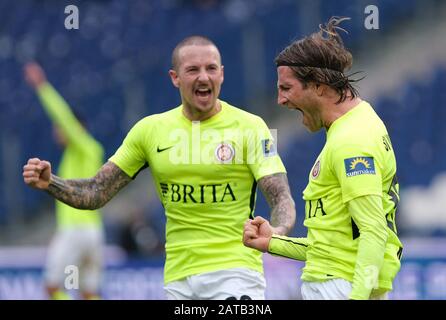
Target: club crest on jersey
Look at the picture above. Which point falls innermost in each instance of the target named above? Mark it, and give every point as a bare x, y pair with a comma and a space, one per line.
269, 148
359, 165
224, 152
316, 169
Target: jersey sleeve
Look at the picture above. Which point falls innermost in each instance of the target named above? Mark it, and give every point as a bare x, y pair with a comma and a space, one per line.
261, 151
293, 248
61, 115
130, 156
357, 170
368, 214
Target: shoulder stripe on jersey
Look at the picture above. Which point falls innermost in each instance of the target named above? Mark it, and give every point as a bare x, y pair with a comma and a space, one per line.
399, 253
289, 240
252, 199
146, 165
355, 230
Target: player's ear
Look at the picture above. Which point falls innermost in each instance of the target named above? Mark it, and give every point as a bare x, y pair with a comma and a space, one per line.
174, 77
319, 89
222, 73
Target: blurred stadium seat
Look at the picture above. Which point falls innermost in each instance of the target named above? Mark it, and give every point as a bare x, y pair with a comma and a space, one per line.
113, 70
120, 44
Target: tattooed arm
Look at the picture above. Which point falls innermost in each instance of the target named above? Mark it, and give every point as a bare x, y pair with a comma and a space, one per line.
276, 190
88, 194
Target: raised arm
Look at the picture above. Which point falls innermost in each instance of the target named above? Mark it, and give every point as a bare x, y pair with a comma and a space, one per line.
57, 108
88, 194
276, 190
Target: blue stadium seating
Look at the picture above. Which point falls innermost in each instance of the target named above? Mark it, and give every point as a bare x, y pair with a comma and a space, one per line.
121, 42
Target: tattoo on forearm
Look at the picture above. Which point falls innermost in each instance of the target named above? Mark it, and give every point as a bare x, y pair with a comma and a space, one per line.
276, 190
90, 193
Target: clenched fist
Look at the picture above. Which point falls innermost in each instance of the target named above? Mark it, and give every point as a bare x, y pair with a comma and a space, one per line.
257, 233
37, 173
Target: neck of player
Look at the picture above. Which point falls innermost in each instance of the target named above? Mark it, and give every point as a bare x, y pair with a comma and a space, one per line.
194, 114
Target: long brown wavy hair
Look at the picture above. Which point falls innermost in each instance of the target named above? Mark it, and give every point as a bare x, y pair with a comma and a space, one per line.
321, 58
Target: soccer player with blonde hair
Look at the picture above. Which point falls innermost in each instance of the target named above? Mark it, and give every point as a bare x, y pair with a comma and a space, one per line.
198, 154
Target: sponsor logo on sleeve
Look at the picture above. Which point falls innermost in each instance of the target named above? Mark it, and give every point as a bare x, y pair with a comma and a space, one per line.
359, 165
269, 148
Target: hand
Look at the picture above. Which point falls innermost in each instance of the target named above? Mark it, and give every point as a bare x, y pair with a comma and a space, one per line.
257, 234
34, 75
37, 173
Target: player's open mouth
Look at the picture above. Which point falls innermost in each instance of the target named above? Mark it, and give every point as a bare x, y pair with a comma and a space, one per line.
204, 92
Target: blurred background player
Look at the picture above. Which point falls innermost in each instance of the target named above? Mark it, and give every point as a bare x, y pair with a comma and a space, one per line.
79, 238
206, 200
352, 250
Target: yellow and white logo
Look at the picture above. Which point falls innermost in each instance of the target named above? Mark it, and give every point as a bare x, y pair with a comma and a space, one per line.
359, 165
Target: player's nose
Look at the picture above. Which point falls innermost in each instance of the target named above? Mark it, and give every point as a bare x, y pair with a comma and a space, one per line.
203, 76
281, 100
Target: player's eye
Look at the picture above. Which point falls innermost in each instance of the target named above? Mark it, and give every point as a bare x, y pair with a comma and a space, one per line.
191, 69
212, 68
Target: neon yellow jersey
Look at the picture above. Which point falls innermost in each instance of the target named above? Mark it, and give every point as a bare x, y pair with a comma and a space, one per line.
205, 174
357, 160
82, 157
